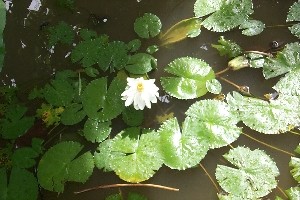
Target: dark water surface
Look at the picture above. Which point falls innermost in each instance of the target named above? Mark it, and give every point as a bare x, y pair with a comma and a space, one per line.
32, 64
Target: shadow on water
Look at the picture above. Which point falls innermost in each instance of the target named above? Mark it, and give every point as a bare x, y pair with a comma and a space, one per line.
29, 62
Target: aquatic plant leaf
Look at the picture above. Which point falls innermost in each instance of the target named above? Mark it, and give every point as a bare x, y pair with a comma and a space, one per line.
66, 4
206, 7
62, 32
294, 16
180, 31
96, 131
49, 115
134, 45
295, 165
286, 60
24, 157
22, 185
229, 15
113, 104
141, 63
37, 145
136, 196
213, 121
15, 122
132, 117
134, 158
59, 92
91, 72
152, 49
93, 96
274, 117
87, 51
293, 193
61, 163
113, 56
254, 176
213, 86
289, 84
252, 27
103, 154
87, 34
180, 150
114, 197
190, 83
147, 26
3, 183
227, 47
72, 114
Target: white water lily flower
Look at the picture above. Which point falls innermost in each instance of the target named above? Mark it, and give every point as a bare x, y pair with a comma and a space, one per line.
140, 93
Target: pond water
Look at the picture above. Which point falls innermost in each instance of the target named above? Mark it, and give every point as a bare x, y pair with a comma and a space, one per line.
28, 63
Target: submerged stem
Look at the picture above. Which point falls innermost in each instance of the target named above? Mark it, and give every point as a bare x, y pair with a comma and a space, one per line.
222, 71
294, 132
281, 191
268, 145
260, 52
230, 82
128, 185
210, 178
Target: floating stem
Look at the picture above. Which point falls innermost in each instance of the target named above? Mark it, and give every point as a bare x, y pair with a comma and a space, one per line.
230, 82
210, 178
222, 71
260, 52
294, 132
268, 145
281, 191
128, 185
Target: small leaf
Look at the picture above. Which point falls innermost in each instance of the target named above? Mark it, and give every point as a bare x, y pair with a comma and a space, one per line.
86, 34
15, 123
270, 118
96, 131
24, 157
141, 63
206, 7
147, 26
59, 92
152, 49
180, 150
228, 15
88, 51
227, 47
133, 117
93, 96
253, 177
213, 86
49, 115
213, 121
286, 60
72, 114
135, 196
252, 27
91, 72
102, 154
134, 45
62, 32
190, 83
113, 56
37, 145
181, 30
58, 165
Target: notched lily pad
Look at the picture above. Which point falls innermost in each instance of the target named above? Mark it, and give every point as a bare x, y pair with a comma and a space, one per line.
253, 177
190, 78
147, 26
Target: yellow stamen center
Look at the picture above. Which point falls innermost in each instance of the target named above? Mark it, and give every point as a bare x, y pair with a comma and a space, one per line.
140, 87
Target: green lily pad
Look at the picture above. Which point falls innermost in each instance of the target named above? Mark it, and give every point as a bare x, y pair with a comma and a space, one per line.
24, 157
213, 86
274, 117
253, 177
294, 16
62, 33
293, 193
15, 123
213, 121
72, 114
252, 27
96, 131
295, 165
147, 26
141, 63
227, 47
180, 150
61, 163
289, 84
191, 76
